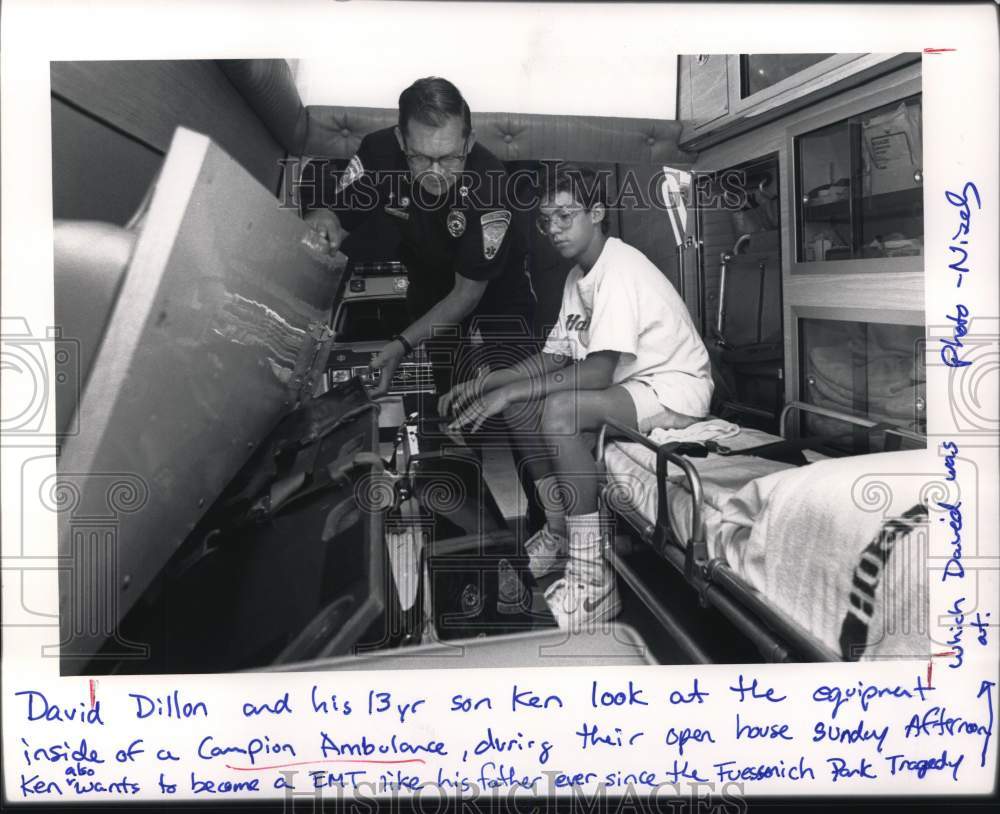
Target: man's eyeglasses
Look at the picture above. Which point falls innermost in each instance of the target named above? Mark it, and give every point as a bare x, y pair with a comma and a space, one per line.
451, 163
562, 218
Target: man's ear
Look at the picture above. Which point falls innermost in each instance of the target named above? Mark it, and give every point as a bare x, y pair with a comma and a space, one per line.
399, 137
469, 141
598, 213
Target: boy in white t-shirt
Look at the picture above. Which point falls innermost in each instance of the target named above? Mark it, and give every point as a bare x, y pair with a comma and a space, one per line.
624, 347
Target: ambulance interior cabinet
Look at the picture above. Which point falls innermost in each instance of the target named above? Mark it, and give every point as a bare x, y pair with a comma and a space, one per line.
859, 191
866, 368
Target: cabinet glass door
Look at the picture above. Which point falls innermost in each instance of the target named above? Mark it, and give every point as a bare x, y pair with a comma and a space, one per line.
863, 368
891, 216
824, 183
860, 186
761, 71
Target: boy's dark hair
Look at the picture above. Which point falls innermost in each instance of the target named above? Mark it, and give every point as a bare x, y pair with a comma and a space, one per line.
587, 186
430, 101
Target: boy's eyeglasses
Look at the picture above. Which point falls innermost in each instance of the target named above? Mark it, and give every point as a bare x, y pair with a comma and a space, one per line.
451, 163
562, 218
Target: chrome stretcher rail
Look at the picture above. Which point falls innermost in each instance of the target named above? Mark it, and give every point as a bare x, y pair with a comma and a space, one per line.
849, 418
724, 582
759, 635
697, 550
673, 628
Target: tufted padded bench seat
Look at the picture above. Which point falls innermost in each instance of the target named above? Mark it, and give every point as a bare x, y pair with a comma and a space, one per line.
335, 131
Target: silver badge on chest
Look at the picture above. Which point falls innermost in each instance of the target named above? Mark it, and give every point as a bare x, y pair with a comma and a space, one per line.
456, 223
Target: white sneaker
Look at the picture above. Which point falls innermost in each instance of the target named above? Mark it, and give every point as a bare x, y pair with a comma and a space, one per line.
545, 549
580, 606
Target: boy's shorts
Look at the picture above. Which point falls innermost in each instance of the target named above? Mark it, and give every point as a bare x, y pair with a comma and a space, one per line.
650, 413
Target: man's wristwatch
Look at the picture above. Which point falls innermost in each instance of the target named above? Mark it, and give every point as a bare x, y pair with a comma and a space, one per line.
407, 347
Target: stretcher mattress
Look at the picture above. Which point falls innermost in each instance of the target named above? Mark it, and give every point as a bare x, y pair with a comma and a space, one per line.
824, 543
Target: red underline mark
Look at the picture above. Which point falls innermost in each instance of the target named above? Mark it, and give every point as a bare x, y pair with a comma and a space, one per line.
313, 762
930, 662
93, 693
937, 50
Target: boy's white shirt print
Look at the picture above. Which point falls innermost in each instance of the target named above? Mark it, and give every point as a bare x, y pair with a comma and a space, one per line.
626, 304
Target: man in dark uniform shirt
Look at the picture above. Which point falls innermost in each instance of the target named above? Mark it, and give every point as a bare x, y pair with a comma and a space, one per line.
446, 194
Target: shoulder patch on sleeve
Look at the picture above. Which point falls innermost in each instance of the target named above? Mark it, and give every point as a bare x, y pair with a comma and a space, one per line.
494, 229
354, 171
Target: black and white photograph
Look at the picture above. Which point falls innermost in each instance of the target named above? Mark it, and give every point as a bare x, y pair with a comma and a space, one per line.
391, 381
474, 342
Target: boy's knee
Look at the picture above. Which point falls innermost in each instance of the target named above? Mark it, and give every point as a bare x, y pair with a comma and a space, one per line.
523, 416
559, 414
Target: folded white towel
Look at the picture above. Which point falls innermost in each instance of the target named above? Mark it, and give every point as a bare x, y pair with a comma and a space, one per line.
714, 429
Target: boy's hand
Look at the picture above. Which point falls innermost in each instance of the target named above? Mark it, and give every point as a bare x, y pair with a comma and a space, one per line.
460, 395
484, 407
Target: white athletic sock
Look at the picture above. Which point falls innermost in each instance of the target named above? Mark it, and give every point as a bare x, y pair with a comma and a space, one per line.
586, 533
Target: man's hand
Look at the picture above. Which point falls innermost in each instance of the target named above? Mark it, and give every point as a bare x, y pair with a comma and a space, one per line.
484, 407
387, 360
461, 394
324, 235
